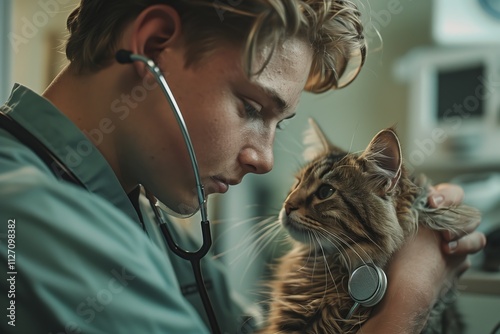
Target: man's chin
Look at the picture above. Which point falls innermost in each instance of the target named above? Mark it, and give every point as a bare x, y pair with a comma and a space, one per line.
181, 210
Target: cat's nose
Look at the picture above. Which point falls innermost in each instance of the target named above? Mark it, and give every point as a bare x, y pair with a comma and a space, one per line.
289, 207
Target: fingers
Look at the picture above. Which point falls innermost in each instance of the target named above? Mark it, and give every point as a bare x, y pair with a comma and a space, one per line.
445, 194
467, 241
469, 244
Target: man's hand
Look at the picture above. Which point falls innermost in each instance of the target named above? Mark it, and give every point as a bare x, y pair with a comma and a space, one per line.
470, 241
424, 267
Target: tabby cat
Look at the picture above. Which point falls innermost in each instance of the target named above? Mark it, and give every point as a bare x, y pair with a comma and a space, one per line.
346, 210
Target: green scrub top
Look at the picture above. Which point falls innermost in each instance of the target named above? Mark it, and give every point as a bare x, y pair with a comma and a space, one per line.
79, 260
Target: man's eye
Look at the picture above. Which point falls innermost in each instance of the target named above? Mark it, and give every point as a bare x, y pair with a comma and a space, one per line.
282, 124
252, 109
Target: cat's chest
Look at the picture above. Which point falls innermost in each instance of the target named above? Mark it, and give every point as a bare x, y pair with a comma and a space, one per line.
303, 272
310, 285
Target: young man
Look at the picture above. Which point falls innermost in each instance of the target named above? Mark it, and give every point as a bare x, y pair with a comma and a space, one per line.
89, 258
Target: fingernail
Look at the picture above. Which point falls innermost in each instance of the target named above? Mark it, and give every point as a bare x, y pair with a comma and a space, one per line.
452, 245
438, 199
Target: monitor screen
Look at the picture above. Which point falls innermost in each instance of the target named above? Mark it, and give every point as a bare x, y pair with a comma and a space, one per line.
457, 93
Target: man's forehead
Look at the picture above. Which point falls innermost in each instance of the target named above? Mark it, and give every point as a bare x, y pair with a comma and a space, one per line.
286, 73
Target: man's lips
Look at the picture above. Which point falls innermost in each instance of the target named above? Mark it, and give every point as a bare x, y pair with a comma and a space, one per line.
222, 185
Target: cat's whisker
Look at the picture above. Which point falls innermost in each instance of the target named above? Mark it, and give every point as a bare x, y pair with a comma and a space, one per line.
362, 259
248, 234
262, 244
311, 242
341, 253
284, 147
336, 243
270, 226
306, 262
326, 265
345, 166
260, 229
289, 139
373, 241
349, 150
234, 225
343, 241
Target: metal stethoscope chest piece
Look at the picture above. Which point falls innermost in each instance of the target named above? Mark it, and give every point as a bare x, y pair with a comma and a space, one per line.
367, 286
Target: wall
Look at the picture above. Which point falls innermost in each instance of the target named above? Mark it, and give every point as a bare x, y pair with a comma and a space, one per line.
5, 54
38, 31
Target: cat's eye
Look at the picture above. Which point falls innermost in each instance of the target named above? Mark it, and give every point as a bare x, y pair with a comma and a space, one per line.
325, 191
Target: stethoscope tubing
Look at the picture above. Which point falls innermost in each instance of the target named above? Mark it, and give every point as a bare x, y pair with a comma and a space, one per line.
193, 257
124, 57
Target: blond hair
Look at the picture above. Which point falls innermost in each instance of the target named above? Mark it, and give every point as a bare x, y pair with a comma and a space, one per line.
332, 27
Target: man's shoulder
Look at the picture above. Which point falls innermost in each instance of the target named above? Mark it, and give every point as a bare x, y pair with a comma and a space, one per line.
27, 191
79, 247
95, 259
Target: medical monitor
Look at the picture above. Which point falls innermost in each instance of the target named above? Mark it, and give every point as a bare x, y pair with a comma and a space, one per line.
454, 104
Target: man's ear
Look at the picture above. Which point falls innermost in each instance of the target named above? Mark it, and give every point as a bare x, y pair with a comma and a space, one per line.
155, 29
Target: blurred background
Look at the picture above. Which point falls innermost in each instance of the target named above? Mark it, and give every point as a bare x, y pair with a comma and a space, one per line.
433, 72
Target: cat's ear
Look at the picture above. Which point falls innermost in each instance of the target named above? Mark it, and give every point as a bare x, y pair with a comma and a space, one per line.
385, 151
316, 143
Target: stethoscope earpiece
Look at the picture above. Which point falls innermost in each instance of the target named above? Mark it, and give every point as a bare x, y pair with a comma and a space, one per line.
367, 286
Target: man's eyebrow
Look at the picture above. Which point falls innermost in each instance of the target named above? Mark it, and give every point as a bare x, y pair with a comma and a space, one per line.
280, 103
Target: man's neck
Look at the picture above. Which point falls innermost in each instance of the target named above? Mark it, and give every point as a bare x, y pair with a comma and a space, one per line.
86, 99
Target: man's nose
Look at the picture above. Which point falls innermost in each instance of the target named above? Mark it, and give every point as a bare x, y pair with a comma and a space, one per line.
257, 160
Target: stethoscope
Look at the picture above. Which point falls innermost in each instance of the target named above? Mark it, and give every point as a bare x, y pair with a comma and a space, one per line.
126, 57
63, 172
